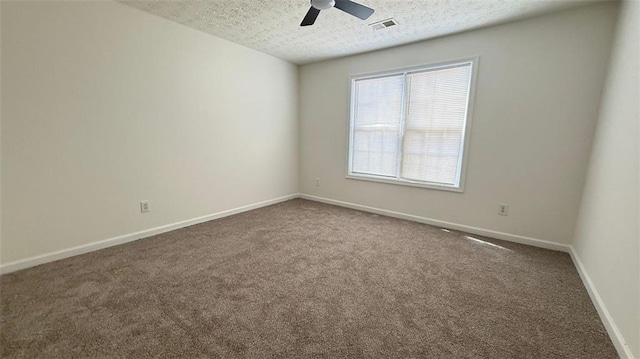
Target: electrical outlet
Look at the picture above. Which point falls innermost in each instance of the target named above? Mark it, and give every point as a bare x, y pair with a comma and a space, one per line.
144, 207
317, 181
503, 209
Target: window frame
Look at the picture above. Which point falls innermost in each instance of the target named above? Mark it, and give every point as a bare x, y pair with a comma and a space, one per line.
461, 174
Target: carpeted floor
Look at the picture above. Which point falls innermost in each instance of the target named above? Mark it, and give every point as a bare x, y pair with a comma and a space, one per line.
304, 280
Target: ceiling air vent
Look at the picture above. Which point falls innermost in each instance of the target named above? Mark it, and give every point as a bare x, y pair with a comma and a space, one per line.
379, 25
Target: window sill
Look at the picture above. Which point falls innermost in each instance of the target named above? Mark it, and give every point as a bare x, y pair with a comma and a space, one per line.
361, 177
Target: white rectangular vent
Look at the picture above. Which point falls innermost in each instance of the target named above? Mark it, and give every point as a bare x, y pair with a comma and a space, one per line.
379, 25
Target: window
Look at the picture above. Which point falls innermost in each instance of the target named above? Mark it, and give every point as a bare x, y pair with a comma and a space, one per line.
409, 127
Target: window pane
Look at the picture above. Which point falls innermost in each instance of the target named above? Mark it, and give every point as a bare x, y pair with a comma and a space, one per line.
375, 150
431, 155
434, 126
376, 125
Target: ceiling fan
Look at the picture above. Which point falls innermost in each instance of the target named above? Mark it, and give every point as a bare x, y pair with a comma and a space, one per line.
348, 6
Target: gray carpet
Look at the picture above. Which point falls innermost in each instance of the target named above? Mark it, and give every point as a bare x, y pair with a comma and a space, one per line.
304, 280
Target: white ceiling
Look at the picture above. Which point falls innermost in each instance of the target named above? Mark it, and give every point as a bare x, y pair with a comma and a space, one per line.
272, 26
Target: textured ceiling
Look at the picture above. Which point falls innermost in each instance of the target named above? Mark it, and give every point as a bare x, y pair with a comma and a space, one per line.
272, 26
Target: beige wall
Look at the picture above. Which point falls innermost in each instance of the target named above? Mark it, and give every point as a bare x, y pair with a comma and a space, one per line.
538, 89
104, 105
0, 136
607, 236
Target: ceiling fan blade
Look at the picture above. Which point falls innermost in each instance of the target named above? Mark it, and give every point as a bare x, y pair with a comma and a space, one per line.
311, 17
355, 9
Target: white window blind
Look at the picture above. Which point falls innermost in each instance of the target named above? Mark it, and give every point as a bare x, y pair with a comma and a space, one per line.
376, 125
410, 126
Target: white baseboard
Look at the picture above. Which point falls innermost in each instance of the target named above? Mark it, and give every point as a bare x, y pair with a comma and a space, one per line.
455, 226
612, 329
607, 320
74, 251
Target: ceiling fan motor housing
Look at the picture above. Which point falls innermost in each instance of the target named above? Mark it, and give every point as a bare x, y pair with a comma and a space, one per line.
323, 4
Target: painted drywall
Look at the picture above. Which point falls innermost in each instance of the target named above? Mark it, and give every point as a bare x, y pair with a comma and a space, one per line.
0, 137
104, 106
607, 236
538, 89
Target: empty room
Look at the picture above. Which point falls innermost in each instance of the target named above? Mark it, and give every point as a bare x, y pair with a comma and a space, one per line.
319, 179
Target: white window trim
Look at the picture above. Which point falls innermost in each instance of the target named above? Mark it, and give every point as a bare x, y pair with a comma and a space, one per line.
467, 127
